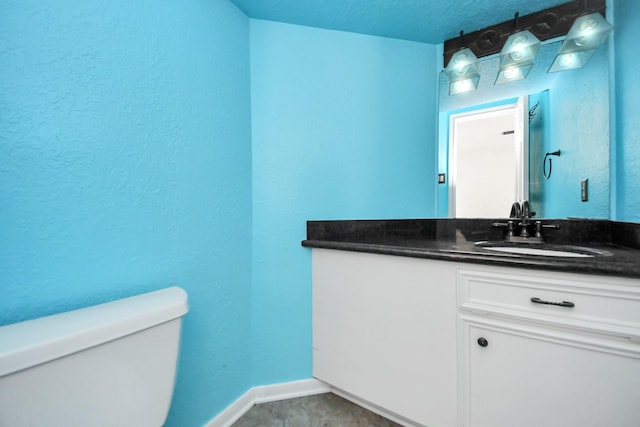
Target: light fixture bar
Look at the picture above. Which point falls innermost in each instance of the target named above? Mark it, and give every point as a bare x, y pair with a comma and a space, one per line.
545, 24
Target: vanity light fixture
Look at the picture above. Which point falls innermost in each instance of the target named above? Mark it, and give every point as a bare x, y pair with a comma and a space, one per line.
517, 55
463, 70
585, 36
585, 29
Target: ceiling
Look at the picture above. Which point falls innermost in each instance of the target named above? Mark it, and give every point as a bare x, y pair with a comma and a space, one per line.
428, 21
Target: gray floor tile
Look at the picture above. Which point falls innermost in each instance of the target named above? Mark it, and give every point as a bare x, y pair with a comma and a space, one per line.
321, 410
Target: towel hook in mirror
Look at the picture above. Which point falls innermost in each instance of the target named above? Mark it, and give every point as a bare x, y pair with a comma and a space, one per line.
544, 163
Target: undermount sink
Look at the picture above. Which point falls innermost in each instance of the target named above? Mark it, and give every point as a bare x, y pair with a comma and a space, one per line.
537, 251
561, 251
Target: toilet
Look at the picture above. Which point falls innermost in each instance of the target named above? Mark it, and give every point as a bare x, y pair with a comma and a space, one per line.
112, 364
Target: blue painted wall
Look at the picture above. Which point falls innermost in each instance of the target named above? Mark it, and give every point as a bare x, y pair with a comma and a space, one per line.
627, 173
343, 126
126, 167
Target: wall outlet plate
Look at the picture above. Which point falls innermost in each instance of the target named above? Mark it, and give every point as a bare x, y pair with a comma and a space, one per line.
442, 178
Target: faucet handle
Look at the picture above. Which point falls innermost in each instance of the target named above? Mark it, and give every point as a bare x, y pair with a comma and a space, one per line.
509, 225
540, 226
538, 229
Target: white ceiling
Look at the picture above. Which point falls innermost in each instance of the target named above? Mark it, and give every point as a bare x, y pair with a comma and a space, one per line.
429, 21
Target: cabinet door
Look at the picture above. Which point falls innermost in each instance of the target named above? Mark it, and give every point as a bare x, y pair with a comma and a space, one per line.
529, 377
384, 330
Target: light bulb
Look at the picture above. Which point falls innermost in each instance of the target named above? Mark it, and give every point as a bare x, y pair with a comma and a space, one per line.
516, 55
462, 86
588, 25
566, 60
461, 58
520, 40
462, 70
511, 73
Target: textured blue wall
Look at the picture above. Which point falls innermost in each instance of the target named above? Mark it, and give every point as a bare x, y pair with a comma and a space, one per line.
580, 126
627, 173
343, 127
126, 167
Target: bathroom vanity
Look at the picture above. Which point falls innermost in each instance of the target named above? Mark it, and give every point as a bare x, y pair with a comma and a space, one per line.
415, 318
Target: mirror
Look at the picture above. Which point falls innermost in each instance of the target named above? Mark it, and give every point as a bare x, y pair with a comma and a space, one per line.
571, 115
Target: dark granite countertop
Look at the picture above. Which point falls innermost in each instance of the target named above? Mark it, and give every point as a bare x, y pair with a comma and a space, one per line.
455, 240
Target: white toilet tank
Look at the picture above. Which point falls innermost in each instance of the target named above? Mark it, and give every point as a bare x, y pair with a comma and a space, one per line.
112, 364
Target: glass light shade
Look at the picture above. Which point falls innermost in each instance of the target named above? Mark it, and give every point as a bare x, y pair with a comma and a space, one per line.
463, 72
585, 36
513, 74
462, 86
517, 57
520, 50
571, 60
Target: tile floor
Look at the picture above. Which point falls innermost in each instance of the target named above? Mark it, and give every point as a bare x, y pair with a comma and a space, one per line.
320, 410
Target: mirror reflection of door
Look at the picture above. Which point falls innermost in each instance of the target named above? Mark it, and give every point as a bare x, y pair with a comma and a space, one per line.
487, 163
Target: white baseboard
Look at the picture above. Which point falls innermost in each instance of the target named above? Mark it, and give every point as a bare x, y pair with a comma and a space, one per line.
267, 393
375, 409
290, 390
233, 412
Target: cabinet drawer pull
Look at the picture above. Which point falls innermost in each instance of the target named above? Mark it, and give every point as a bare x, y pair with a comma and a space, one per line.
561, 304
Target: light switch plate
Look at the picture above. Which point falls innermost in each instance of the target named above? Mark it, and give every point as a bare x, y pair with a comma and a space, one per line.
584, 190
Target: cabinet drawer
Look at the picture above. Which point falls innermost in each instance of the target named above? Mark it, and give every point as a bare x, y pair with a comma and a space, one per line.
600, 305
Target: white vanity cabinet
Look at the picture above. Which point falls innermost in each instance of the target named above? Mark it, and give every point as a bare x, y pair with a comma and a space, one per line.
445, 344
532, 364
384, 330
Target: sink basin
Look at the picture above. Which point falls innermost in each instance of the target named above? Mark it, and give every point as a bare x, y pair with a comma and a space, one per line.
538, 251
561, 251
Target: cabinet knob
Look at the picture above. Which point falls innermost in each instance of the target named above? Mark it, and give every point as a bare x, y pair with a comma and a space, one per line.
482, 342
